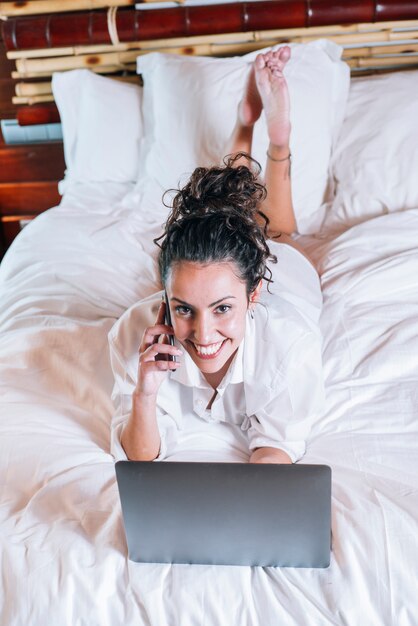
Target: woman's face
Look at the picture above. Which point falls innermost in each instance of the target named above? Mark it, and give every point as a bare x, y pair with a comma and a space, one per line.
208, 305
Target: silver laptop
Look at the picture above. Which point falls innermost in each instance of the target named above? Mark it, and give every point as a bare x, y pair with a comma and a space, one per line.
226, 513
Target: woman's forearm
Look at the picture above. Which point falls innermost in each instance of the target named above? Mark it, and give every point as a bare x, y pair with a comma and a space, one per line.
140, 437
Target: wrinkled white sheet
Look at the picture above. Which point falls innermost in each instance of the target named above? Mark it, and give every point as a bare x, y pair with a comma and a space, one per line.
67, 278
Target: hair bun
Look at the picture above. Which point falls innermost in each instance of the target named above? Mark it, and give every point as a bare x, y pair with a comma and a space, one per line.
225, 190
215, 218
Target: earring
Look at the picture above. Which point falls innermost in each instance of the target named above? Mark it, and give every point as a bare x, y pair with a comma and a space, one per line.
252, 313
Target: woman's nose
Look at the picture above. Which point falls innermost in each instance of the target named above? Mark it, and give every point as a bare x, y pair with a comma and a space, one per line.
202, 330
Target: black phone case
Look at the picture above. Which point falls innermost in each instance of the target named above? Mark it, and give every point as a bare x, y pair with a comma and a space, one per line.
169, 323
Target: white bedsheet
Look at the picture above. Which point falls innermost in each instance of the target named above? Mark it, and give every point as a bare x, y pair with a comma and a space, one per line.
67, 278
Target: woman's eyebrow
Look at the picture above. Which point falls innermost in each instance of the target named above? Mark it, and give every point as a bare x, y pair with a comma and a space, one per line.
210, 305
221, 300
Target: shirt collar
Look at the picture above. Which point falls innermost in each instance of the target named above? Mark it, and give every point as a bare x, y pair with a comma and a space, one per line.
188, 374
235, 373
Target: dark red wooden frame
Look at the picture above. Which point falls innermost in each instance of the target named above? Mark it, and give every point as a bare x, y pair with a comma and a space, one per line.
90, 27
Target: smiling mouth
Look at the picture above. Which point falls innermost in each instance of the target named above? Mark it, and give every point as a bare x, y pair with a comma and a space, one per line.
208, 352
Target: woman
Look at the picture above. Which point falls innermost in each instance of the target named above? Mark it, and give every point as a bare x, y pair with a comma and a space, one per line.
244, 368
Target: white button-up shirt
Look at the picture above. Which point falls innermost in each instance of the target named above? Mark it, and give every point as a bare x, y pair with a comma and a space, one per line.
271, 392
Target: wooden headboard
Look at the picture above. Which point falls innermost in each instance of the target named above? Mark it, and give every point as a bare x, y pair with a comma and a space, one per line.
39, 37
29, 173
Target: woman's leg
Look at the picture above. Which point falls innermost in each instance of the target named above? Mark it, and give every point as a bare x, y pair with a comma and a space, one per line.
266, 88
249, 110
274, 95
272, 87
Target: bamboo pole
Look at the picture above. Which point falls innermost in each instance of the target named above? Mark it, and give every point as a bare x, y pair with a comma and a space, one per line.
396, 36
44, 65
45, 88
97, 70
356, 38
16, 9
59, 64
32, 99
388, 61
391, 25
380, 50
394, 62
245, 37
45, 52
33, 89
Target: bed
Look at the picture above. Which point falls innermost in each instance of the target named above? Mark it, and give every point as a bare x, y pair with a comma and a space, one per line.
75, 269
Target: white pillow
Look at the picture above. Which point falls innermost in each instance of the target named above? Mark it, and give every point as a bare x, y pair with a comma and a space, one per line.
375, 164
102, 126
67, 93
190, 106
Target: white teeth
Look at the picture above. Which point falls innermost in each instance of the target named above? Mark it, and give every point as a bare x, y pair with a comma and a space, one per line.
207, 350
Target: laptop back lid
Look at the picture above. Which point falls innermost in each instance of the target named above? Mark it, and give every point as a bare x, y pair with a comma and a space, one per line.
226, 513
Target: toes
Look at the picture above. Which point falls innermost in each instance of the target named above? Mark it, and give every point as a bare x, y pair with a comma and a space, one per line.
269, 70
284, 54
260, 61
276, 69
281, 57
268, 58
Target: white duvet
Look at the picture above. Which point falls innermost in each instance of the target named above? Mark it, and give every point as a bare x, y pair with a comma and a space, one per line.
67, 278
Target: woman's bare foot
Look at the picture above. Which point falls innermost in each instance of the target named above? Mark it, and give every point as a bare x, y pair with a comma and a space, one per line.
250, 107
274, 95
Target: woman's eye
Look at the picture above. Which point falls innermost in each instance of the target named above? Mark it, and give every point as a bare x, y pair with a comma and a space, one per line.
183, 310
223, 308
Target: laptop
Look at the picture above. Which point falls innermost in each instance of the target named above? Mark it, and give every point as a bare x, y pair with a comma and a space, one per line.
226, 513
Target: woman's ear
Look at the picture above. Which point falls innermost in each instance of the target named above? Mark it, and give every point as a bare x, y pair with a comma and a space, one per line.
255, 295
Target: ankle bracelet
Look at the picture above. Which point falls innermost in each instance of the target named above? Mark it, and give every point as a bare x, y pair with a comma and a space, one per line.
288, 158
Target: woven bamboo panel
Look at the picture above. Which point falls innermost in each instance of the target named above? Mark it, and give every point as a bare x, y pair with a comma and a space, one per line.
367, 47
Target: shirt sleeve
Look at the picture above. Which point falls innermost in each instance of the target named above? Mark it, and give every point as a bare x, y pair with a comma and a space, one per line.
298, 396
122, 401
166, 426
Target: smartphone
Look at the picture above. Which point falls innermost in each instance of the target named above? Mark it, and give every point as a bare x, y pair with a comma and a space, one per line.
168, 321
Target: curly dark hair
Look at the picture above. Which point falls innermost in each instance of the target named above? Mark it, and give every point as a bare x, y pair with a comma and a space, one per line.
214, 219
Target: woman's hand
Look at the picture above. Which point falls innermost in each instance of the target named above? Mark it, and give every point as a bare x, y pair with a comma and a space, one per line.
270, 455
153, 356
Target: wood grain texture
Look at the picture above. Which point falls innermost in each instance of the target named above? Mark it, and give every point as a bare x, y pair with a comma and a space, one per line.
388, 10
28, 163
341, 12
38, 114
29, 198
